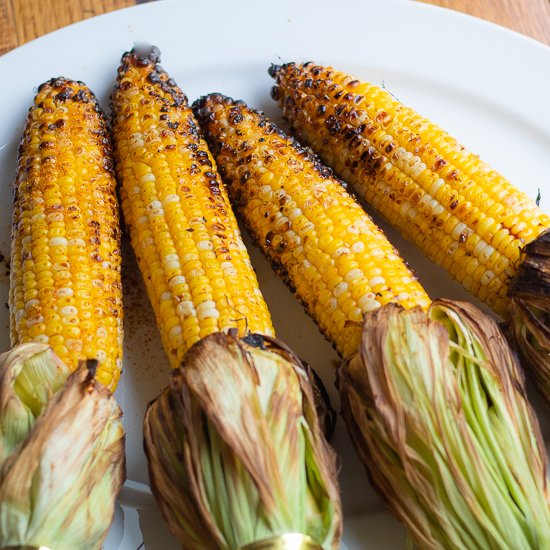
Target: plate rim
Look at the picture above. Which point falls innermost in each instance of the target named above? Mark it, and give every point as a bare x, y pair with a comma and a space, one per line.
131, 487
155, 5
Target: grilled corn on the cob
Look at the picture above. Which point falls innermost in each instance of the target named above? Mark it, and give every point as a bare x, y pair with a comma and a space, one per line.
188, 245
236, 452
463, 214
65, 287
433, 400
317, 237
62, 459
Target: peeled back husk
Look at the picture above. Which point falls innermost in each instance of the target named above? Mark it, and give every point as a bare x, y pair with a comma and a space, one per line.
61, 452
236, 452
529, 325
435, 404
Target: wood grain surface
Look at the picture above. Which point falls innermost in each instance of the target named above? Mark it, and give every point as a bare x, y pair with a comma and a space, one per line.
23, 20
529, 17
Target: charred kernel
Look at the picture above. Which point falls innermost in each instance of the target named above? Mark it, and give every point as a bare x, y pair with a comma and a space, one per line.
439, 163
57, 124
321, 110
64, 94
81, 96
453, 174
308, 82
333, 125
235, 117
154, 78
275, 93
273, 70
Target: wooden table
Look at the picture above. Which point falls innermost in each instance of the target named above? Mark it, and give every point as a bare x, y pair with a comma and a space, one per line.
23, 20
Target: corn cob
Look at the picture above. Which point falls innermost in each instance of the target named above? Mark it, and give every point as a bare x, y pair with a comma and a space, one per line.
65, 287
188, 245
320, 240
434, 401
460, 212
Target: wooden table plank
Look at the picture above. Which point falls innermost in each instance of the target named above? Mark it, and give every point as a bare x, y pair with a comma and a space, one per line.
8, 35
23, 20
529, 17
33, 19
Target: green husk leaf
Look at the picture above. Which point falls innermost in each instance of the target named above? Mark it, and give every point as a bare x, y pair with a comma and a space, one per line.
62, 470
436, 407
529, 326
30, 374
236, 453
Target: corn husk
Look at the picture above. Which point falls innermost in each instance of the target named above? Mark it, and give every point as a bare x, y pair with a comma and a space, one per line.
236, 453
529, 325
30, 374
436, 406
62, 452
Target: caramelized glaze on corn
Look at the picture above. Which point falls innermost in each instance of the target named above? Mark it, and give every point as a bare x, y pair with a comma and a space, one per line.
317, 237
188, 245
65, 287
464, 215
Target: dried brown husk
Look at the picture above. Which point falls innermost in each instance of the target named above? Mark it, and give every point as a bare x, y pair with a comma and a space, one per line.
435, 404
529, 325
63, 452
235, 448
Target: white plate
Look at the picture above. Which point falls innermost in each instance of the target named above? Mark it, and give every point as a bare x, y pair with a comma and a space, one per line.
488, 86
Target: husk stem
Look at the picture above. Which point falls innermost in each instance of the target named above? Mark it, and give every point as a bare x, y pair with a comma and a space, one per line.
435, 404
235, 448
289, 541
